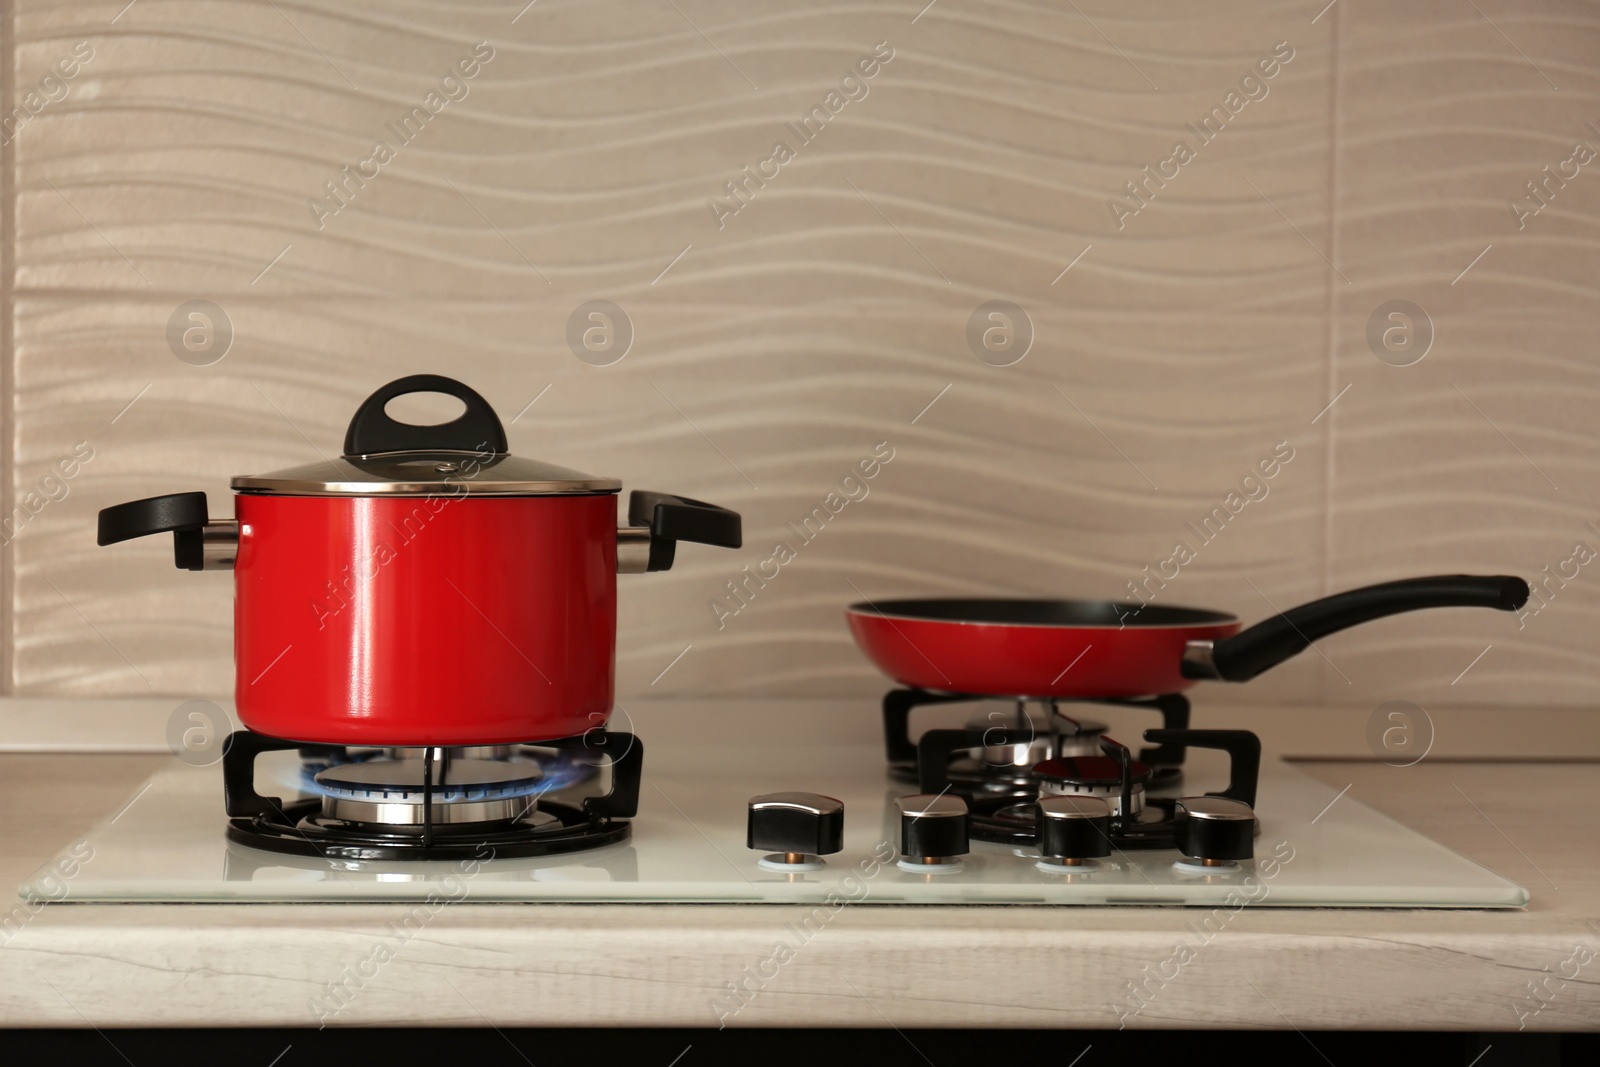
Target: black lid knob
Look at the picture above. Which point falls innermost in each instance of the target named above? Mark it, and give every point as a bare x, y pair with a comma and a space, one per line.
1217, 829
796, 824
1073, 828
477, 429
933, 828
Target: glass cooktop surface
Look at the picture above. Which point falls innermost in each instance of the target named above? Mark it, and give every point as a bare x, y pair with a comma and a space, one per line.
1316, 847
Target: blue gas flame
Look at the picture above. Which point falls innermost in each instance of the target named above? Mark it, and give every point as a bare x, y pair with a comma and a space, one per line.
559, 769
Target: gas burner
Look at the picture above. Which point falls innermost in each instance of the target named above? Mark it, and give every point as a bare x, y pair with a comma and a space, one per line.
1094, 776
435, 803
1117, 781
993, 756
394, 793
1002, 764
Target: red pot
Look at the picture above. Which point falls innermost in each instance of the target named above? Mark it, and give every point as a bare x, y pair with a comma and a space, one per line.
427, 588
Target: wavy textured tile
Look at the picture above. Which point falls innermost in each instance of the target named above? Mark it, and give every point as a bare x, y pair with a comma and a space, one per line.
1481, 456
999, 485
981, 157
828, 314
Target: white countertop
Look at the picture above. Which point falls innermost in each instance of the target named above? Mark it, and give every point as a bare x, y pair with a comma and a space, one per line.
544, 964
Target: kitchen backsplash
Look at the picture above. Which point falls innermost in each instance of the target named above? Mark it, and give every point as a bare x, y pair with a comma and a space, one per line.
1230, 305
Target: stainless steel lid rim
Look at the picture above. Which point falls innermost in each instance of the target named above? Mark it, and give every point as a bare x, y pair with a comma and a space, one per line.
420, 490
443, 472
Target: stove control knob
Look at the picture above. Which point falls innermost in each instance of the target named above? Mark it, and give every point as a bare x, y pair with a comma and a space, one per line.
933, 829
1214, 830
1072, 828
798, 827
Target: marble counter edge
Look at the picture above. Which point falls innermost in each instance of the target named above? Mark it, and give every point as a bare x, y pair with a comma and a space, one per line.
671, 965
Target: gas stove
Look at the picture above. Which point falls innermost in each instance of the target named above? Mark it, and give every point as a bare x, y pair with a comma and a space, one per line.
753, 803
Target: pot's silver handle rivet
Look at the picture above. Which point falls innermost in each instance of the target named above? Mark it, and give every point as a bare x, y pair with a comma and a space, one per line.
447, 468
219, 544
633, 549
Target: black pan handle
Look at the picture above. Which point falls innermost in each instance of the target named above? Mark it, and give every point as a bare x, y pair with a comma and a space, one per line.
677, 518
1267, 644
183, 515
477, 429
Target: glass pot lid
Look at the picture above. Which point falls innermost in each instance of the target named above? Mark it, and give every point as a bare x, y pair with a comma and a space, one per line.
468, 455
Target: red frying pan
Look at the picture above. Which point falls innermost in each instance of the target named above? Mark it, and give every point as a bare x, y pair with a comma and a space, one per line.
1090, 648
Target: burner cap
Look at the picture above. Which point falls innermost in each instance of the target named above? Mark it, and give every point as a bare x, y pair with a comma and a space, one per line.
1012, 744
389, 792
1100, 772
399, 781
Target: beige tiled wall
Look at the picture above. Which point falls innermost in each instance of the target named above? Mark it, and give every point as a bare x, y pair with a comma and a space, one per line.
1171, 351
1484, 454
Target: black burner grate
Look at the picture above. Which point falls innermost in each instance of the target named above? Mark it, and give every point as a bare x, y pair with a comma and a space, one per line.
1005, 815
301, 829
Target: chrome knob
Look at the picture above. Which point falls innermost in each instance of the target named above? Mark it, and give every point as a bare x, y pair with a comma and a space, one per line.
933, 829
1214, 830
798, 828
1072, 828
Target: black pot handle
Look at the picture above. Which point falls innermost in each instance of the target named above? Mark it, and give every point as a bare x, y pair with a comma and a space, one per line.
677, 518
1267, 644
183, 515
477, 429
